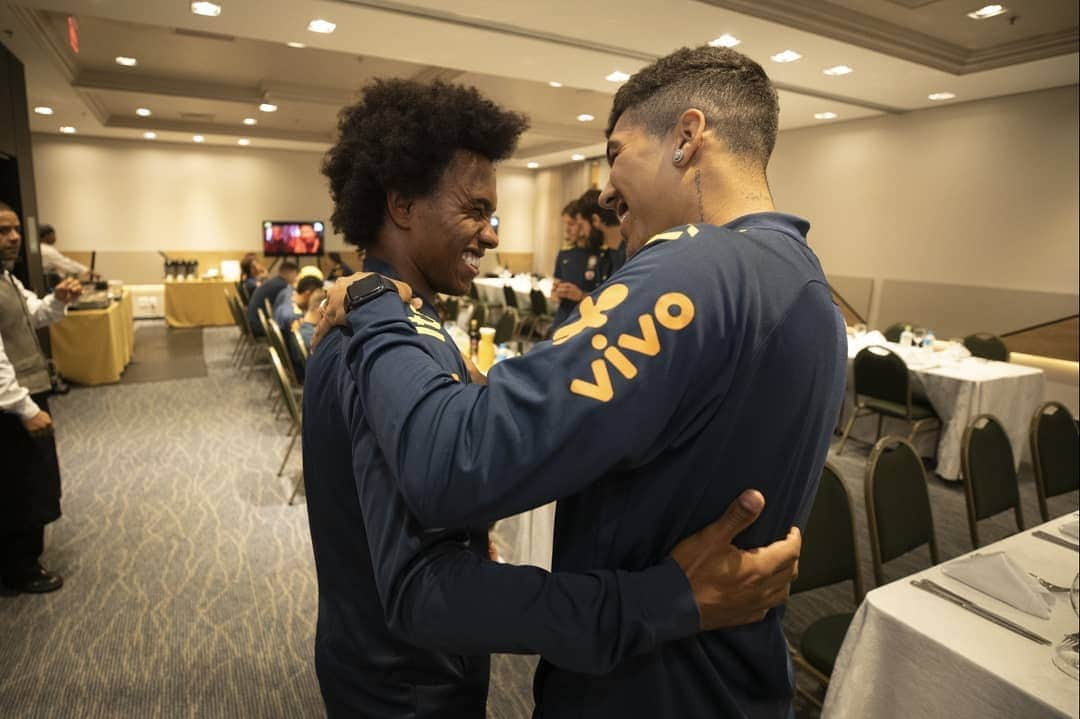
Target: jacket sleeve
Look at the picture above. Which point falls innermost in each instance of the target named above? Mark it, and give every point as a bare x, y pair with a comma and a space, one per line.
618, 374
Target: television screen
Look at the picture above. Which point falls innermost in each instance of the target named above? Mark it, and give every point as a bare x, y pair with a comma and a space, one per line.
293, 238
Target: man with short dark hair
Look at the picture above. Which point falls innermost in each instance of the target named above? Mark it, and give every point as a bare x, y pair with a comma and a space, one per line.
294, 298
410, 608
53, 262
714, 362
30, 473
604, 221
269, 290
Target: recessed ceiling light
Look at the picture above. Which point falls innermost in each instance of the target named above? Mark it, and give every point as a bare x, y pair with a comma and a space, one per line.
250, 121
533, 165
243, 141
43, 110
725, 40
617, 76
786, 56
988, 11
323, 26
555, 83
585, 117
838, 70
577, 157
267, 107
824, 115
940, 96
126, 61
67, 129
296, 44
150, 135
143, 112
209, 9
197, 138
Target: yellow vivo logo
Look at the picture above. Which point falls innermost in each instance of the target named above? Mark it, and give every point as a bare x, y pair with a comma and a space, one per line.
673, 311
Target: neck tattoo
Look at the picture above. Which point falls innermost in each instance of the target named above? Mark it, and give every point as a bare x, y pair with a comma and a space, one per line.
700, 202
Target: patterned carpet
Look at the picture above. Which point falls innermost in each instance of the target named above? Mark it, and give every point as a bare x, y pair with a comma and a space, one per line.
190, 588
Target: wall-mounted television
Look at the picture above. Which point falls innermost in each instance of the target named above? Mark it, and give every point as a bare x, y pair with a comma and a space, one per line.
293, 237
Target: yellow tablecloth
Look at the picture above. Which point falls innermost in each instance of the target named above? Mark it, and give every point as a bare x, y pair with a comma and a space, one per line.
197, 303
94, 346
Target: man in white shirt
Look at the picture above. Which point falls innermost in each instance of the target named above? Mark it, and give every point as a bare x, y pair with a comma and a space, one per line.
53, 262
30, 482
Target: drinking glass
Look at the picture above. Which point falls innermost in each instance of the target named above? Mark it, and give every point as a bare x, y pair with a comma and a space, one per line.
1065, 656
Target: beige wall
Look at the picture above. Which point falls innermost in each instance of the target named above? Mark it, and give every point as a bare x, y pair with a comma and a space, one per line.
981, 193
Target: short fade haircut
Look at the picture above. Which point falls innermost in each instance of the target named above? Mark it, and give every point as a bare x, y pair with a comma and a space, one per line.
590, 205
738, 99
288, 266
571, 208
400, 137
44, 231
308, 283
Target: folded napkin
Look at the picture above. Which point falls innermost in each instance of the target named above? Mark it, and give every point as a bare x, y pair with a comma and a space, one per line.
997, 575
1071, 529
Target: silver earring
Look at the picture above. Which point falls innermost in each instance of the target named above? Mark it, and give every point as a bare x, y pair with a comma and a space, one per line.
677, 157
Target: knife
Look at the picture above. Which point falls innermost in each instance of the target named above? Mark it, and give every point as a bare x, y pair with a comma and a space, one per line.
1055, 540
940, 591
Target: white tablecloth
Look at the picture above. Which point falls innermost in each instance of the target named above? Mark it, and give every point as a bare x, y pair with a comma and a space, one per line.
490, 290
910, 654
960, 390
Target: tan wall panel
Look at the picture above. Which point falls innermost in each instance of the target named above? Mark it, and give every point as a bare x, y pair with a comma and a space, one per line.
856, 291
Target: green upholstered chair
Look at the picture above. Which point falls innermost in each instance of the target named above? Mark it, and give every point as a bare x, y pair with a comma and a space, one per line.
897, 504
989, 473
987, 346
1054, 452
829, 555
883, 387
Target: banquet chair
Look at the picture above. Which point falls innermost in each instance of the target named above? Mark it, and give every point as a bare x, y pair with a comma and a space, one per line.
539, 320
265, 324
249, 356
829, 555
510, 297
278, 340
289, 398
241, 340
989, 473
302, 349
987, 346
479, 313
883, 387
507, 326
452, 306
1054, 452
897, 504
892, 332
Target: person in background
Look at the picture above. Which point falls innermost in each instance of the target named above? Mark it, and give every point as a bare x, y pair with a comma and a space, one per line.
252, 273
604, 221
570, 230
53, 262
269, 289
293, 302
577, 269
306, 324
340, 268
30, 473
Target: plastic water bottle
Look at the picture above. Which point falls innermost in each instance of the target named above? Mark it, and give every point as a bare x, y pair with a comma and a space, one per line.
928, 341
907, 337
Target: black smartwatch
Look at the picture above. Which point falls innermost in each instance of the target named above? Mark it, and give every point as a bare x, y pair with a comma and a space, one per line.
365, 290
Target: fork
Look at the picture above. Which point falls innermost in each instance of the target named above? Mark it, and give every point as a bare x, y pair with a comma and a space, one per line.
1050, 586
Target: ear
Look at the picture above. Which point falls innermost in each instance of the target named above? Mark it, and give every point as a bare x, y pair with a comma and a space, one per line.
399, 209
595, 221
689, 136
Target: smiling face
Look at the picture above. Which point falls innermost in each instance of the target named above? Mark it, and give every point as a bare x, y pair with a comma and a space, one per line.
10, 236
644, 186
452, 228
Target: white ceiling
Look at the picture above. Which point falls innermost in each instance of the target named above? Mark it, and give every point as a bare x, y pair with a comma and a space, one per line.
509, 49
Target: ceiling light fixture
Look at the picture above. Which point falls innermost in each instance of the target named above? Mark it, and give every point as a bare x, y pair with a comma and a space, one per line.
837, 70
126, 61
533, 165
577, 157
940, 96
617, 76
824, 115
585, 117
725, 40
143, 112
267, 107
321, 26
208, 9
197, 138
67, 129
555, 83
43, 110
250, 121
786, 56
150, 135
296, 44
243, 141
988, 11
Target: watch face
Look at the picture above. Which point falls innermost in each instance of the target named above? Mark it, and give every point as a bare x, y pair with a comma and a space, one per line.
365, 289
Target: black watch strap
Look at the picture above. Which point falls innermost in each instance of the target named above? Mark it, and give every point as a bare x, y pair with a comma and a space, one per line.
365, 290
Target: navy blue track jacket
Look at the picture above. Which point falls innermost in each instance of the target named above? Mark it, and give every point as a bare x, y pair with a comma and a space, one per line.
712, 362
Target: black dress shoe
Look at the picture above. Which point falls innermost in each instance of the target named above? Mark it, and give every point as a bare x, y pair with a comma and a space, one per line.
36, 580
